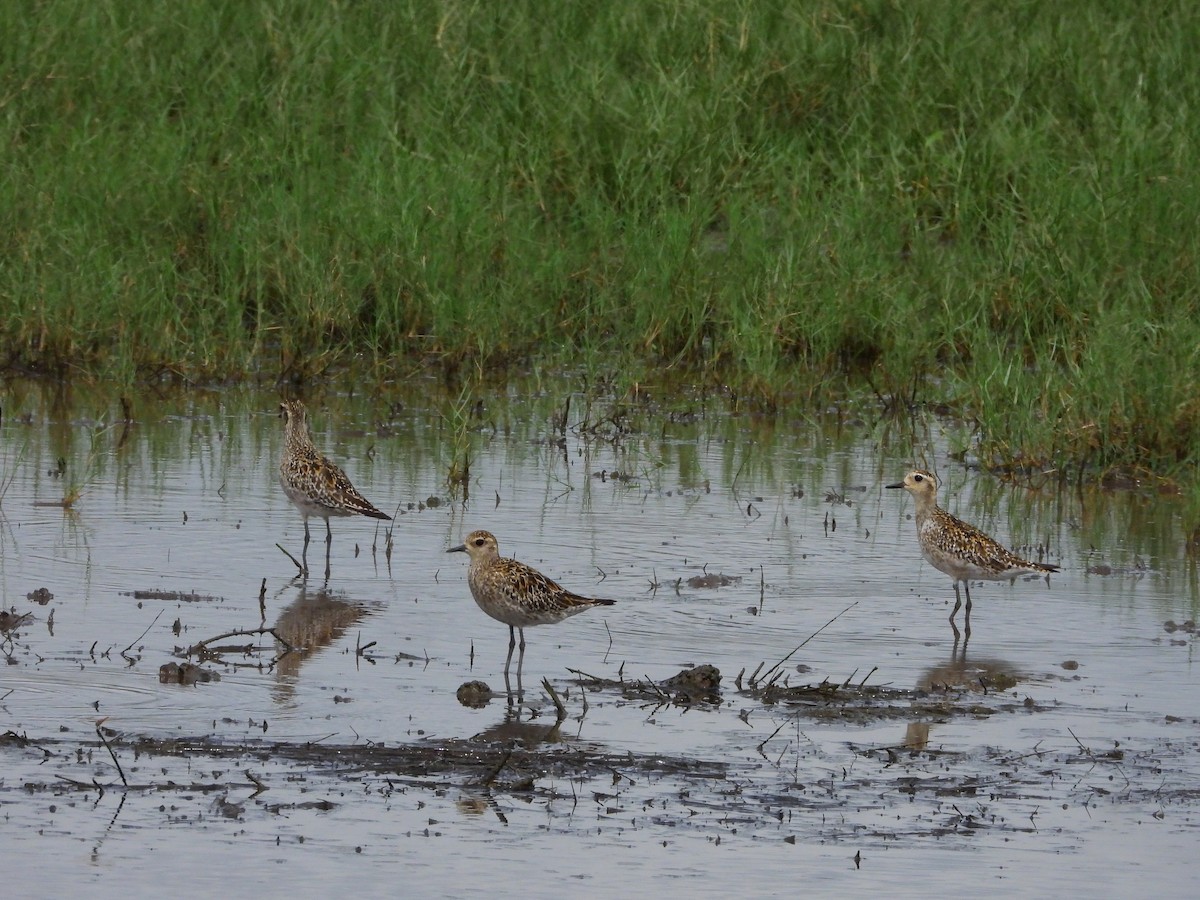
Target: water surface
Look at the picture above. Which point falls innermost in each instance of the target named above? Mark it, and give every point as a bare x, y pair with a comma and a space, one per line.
1081, 760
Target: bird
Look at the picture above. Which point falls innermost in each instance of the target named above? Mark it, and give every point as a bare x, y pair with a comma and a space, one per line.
516, 594
960, 550
315, 485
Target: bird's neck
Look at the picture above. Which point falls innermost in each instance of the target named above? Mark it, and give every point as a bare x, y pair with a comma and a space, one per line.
297, 436
926, 504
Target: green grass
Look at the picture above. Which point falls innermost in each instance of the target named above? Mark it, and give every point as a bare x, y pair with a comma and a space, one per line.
985, 206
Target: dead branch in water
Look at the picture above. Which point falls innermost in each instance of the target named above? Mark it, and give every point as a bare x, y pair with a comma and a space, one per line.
204, 649
108, 747
299, 567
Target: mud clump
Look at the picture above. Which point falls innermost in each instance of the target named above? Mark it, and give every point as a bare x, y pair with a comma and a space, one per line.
700, 683
171, 596
40, 596
186, 674
474, 694
712, 581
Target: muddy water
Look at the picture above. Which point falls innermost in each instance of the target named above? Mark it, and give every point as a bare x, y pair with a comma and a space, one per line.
1060, 746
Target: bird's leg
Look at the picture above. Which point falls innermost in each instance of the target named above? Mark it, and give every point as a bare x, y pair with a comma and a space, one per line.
304, 555
328, 545
521, 665
954, 612
512, 643
967, 614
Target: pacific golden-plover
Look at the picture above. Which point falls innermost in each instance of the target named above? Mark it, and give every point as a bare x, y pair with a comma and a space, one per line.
960, 550
515, 594
314, 484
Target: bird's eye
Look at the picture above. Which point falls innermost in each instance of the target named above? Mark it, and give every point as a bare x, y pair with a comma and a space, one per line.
918, 478
478, 542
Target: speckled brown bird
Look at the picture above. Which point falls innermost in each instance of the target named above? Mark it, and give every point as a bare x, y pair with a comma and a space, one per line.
314, 484
960, 550
515, 594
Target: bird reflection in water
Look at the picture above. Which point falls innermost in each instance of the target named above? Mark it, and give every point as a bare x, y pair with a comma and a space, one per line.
979, 675
314, 620
513, 732
508, 736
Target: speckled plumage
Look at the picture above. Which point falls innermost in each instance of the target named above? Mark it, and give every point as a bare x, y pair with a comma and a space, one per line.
315, 485
960, 550
516, 594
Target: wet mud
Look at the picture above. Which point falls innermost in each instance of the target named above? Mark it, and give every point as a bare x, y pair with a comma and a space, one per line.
531, 754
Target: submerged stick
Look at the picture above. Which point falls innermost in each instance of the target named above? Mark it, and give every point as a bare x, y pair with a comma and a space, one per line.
487, 780
558, 704
771, 736
299, 568
143, 634
258, 785
202, 646
108, 747
754, 674
583, 697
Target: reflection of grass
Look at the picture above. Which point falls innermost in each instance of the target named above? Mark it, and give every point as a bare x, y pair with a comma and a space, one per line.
76, 487
796, 201
7, 480
458, 420
10, 472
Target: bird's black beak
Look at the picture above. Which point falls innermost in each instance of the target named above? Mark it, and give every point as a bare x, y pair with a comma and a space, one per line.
461, 548
898, 484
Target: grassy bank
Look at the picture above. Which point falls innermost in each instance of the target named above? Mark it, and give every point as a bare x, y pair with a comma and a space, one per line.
990, 206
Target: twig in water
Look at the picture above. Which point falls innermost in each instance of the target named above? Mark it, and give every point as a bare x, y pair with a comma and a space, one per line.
809, 638
144, 633
754, 674
649, 685
771, 736
487, 780
259, 786
582, 674
1079, 742
201, 647
108, 747
558, 704
299, 567
583, 696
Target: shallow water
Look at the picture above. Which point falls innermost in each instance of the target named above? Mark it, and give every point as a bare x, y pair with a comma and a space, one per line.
1086, 766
